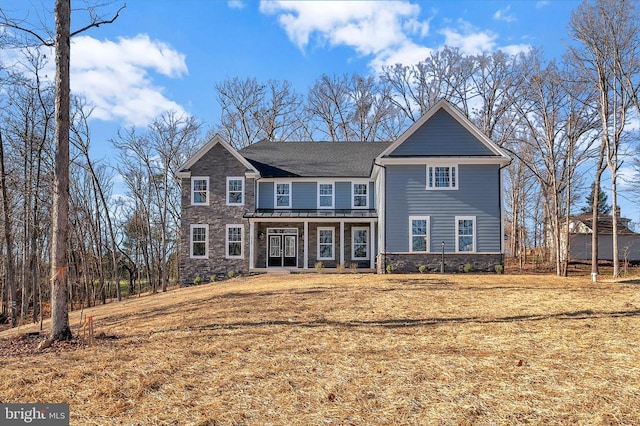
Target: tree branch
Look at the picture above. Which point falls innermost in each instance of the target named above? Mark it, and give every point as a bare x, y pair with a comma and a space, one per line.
98, 23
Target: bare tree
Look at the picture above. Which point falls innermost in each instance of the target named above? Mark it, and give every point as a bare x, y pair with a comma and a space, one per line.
608, 33
60, 215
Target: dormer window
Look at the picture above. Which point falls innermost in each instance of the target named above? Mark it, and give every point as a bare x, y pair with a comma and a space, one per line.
442, 177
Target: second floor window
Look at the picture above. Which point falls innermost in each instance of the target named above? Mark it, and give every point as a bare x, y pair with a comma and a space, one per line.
325, 195
235, 191
442, 177
360, 195
283, 195
200, 191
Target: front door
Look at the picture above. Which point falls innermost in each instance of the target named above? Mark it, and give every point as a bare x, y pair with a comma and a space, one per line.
282, 250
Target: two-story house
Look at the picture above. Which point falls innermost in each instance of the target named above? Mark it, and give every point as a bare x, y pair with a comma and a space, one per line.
433, 193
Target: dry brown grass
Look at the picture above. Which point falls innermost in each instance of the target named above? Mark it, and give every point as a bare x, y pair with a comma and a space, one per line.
352, 349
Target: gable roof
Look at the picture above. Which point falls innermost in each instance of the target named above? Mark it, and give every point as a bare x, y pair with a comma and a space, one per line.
583, 224
185, 172
423, 133
313, 159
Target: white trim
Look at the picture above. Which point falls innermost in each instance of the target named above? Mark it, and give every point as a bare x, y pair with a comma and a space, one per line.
459, 117
367, 184
360, 228
193, 180
305, 229
474, 236
372, 257
183, 170
333, 242
427, 236
252, 239
312, 220
275, 195
408, 161
342, 242
431, 176
206, 240
227, 192
333, 194
226, 241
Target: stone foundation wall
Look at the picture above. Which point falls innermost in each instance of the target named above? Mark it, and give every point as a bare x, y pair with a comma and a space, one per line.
453, 262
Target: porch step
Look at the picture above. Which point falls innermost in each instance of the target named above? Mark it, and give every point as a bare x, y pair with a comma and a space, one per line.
277, 271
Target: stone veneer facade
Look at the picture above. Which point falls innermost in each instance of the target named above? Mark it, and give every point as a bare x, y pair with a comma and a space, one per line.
217, 164
453, 262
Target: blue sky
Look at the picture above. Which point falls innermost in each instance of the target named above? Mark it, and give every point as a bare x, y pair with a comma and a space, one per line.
169, 54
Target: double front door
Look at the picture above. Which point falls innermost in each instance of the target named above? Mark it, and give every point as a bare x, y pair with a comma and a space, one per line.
283, 250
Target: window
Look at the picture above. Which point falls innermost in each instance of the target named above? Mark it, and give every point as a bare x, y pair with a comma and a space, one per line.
283, 195
360, 243
325, 195
360, 195
442, 177
235, 191
419, 233
325, 243
200, 191
234, 242
199, 241
465, 233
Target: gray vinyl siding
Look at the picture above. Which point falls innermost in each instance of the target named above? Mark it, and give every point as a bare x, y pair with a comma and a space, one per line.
305, 195
343, 195
442, 135
478, 195
266, 195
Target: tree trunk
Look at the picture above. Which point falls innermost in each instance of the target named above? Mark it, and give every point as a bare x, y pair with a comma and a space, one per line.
9, 264
60, 215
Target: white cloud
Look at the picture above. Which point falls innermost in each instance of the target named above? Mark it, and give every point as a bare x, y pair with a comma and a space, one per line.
504, 15
469, 41
370, 28
542, 3
116, 78
515, 49
236, 4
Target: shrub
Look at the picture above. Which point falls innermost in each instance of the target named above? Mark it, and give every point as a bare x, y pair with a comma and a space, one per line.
319, 267
468, 267
354, 267
213, 278
422, 268
231, 274
197, 280
499, 269
389, 269
340, 268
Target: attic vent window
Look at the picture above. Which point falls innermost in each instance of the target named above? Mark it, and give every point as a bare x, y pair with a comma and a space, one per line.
442, 177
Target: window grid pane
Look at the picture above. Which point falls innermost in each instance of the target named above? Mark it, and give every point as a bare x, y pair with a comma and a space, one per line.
419, 235
234, 241
282, 194
465, 235
360, 243
200, 191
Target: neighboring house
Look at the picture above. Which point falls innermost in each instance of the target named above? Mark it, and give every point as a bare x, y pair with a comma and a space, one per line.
581, 230
289, 205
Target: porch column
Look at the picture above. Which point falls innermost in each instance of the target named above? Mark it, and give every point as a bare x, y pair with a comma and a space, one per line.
306, 244
372, 252
251, 244
342, 242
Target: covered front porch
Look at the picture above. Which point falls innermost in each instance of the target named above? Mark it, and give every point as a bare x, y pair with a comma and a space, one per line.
296, 241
